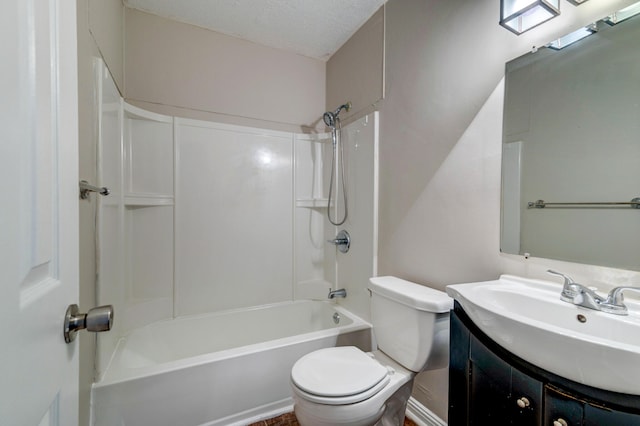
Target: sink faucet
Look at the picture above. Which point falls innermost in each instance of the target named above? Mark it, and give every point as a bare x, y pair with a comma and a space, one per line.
614, 304
580, 295
337, 293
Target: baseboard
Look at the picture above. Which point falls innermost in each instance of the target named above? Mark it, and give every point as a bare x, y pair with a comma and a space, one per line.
257, 414
417, 412
421, 415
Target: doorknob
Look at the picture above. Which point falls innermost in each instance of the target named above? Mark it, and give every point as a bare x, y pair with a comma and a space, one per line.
97, 319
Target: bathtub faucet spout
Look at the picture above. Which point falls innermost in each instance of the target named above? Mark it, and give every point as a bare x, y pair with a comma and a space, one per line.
337, 293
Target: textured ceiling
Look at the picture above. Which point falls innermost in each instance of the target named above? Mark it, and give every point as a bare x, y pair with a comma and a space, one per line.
314, 28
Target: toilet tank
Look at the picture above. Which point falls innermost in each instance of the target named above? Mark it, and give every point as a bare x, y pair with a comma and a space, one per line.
411, 322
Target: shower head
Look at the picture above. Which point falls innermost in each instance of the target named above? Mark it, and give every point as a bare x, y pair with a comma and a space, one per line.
330, 117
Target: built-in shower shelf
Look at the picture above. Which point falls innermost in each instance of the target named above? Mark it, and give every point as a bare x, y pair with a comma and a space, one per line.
148, 200
313, 203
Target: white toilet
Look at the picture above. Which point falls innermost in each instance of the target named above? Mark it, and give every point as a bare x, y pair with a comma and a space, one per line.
346, 386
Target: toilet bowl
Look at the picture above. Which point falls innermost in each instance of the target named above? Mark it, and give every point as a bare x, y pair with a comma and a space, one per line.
347, 386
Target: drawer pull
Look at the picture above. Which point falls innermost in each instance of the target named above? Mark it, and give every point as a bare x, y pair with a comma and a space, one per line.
523, 403
560, 422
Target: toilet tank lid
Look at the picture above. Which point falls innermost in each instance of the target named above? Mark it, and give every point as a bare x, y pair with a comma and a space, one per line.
411, 294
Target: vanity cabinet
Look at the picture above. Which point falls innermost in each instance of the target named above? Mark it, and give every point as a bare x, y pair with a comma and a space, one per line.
504, 394
490, 386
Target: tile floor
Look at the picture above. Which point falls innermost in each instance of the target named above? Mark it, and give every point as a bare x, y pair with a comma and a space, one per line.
289, 419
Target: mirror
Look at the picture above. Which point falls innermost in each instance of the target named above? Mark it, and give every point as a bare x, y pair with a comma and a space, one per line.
572, 135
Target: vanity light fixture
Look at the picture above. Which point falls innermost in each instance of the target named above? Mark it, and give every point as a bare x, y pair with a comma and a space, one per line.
573, 37
519, 16
623, 14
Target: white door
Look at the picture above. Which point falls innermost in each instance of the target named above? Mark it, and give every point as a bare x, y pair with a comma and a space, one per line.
38, 211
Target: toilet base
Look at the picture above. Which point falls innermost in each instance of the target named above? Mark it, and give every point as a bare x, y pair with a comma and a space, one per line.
391, 413
396, 406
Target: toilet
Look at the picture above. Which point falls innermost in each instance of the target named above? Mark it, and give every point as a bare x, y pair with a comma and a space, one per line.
346, 386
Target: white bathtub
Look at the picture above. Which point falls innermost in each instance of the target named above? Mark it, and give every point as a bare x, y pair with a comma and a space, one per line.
219, 369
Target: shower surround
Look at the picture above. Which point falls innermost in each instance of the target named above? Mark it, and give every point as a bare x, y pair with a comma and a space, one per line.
207, 218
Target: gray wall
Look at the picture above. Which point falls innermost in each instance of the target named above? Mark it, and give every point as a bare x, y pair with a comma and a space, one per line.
179, 69
443, 61
355, 72
440, 147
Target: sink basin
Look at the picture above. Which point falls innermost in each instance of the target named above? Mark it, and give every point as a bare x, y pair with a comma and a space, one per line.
527, 318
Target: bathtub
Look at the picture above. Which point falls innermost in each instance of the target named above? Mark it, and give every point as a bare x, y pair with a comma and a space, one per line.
229, 368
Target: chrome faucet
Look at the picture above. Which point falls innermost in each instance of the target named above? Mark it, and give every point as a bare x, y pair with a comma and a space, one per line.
615, 301
337, 293
580, 295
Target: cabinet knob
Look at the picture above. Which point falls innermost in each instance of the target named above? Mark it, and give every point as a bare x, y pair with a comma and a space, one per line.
523, 403
560, 422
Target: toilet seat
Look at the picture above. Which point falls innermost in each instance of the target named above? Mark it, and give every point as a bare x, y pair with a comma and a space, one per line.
344, 400
338, 376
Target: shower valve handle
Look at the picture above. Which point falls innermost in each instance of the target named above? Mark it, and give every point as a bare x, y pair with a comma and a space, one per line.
342, 241
339, 241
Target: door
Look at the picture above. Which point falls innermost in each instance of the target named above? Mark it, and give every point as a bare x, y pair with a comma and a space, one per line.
38, 211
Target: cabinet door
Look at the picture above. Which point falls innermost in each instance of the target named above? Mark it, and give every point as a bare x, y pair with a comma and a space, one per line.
458, 372
489, 402
561, 407
490, 387
500, 394
596, 416
526, 398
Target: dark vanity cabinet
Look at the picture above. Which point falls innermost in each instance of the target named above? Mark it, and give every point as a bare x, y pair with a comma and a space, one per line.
484, 388
490, 386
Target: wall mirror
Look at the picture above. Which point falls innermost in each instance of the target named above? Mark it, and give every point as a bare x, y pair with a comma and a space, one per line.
571, 148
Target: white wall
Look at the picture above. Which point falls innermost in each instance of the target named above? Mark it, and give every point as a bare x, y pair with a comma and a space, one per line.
314, 260
360, 141
234, 233
205, 217
100, 26
109, 273
251, 224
